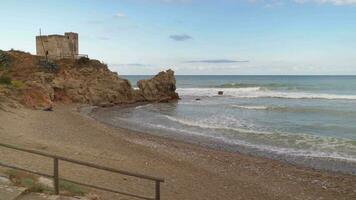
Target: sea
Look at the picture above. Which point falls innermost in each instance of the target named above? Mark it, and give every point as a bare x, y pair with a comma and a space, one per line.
304, 120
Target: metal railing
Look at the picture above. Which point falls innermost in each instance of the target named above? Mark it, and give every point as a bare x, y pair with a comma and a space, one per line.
56, 170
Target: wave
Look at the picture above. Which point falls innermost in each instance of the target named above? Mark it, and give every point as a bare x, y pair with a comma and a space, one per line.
279, 143
210, 126
142, 106
295, 109
246, 85
251, 107
258, 92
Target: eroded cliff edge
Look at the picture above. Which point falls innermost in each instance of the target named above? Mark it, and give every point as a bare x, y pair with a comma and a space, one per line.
35, 83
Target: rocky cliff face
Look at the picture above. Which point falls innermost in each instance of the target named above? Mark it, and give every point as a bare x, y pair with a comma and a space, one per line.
37, 84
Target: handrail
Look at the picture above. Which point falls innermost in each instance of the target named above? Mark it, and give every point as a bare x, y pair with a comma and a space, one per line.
56, 177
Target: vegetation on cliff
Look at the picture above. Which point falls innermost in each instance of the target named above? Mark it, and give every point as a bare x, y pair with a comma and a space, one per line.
35, 83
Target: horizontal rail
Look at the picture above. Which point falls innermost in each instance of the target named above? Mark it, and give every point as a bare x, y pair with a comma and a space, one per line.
25, 170
108, 190
84, 163
111, 169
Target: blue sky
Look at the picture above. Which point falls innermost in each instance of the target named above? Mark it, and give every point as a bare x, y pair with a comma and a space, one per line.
195, 36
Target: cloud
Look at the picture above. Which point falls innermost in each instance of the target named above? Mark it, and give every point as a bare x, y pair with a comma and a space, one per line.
180, 38
120, 15
218, 61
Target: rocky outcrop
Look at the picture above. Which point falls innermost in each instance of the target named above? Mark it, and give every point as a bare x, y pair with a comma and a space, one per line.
161, 88
80, 81
91, 83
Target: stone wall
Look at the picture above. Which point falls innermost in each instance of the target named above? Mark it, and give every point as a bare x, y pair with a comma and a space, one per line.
58, 46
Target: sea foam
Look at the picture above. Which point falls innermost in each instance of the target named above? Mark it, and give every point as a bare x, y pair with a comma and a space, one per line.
259, 92
315, 146
322, 147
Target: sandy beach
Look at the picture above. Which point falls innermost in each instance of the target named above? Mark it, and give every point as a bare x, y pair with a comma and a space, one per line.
191, 172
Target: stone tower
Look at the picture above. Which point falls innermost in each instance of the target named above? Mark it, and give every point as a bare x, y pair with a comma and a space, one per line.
58, 46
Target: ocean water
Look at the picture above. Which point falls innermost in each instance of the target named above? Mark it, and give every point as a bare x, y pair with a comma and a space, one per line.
308, 120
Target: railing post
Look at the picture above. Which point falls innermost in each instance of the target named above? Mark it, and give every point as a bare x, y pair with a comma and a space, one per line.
55, 176
158, 190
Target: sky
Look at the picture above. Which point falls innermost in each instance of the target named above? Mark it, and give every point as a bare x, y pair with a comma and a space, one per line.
195, 37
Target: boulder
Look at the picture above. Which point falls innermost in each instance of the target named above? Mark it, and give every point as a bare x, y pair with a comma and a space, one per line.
161, 88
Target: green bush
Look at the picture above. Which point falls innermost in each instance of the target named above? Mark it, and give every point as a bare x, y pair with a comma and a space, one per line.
18, 84
83, 60
33, 186
4, 80
49, 66
71, 188
4, 59
27, 182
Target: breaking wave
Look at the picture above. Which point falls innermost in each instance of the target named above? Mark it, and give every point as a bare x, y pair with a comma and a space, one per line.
210, 126
247, 85
280, 143
259, 92
295, 109
252, 107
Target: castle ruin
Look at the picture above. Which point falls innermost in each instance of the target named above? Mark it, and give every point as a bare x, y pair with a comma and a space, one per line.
58, 46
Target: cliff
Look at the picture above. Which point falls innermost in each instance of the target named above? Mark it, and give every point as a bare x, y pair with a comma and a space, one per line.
30, 80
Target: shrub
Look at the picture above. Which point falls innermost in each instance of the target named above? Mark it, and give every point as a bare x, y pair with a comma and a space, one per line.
83, 60
27, 182
4, 59
49, 66
4, 80
72, 188
18, 84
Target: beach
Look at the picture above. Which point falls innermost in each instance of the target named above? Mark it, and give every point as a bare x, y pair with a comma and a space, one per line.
190, 171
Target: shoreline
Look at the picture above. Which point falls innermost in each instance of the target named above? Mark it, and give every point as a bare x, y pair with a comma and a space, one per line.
191, 171
310, 162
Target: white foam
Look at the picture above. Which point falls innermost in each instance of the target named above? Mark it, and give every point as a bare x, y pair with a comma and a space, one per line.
315, 153
142, 106
258, 92
250, 107
210, 126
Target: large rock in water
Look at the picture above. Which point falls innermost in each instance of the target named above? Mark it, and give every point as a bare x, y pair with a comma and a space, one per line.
161, 88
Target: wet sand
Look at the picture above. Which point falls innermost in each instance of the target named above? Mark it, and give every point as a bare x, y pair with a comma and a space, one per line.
191, 171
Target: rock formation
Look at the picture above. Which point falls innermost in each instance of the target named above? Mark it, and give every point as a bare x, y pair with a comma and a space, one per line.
37, 84
162, 87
